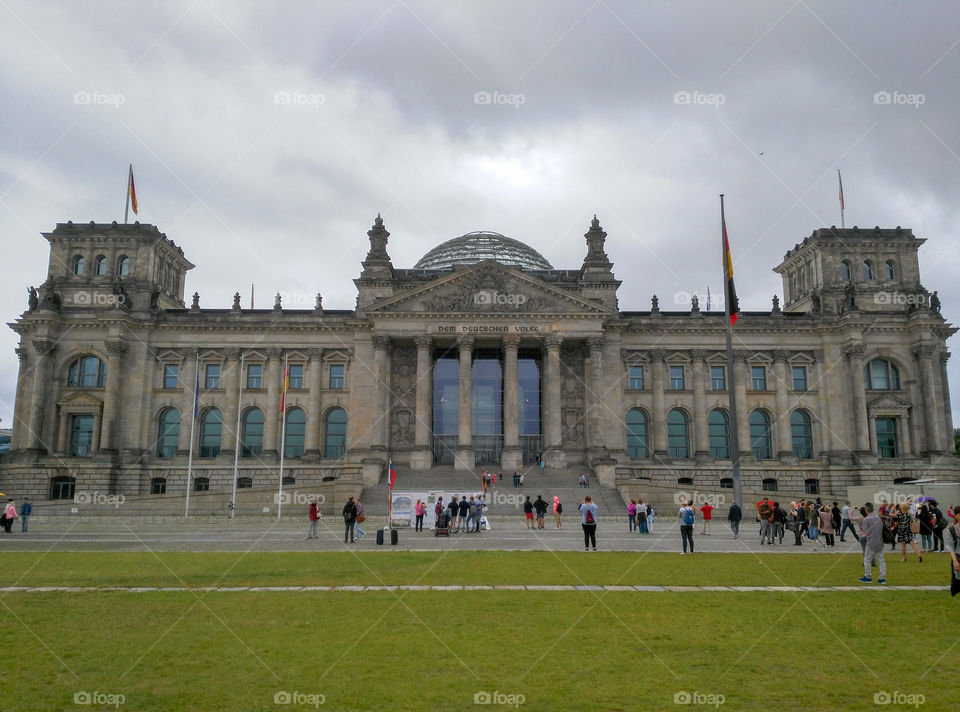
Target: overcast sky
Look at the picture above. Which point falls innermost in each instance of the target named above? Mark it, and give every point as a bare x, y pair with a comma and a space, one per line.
265, 137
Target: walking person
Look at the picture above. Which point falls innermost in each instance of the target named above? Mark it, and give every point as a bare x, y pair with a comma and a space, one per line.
27, 508
887, 515
9, 514
734, 515
765, 512
557, 511
905, 532
632, 514
939, 524
314, 516
650, 515
825, 515
845, 522
418, 509
707, 511
813, 526
349, 519
588, 520
926, 530
872, 528
687, 519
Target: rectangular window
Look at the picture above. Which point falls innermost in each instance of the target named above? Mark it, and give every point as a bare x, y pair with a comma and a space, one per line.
759, 375
718, 378
336, 376
171, 375
799, 378
296, 375
636, 378
81, 435
887, 437
211, 377
254, 375
676, 378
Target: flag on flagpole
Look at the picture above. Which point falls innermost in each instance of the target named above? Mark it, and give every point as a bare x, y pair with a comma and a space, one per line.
731, 291
286, 385
393, 475
708, 297
132, 192
196, 390
840, 179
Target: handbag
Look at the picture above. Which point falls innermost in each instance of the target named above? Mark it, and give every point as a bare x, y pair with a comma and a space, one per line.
361, 518
914, 526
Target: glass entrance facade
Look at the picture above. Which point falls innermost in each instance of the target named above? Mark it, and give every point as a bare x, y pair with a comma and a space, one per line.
529, 424
446, 402
487, 406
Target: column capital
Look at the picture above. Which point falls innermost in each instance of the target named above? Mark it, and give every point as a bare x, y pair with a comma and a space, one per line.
699, 354
232, 354
423, 342
854, 351
944, 357
22, 354
381, 341
191, 353
595, 344
741, 355
658, 354
465, 343
315, 354
923, 352
511, 342
553, 341
43, 347
781, 355
114, 348
273, 354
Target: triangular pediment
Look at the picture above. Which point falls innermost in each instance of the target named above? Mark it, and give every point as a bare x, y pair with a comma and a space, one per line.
81, 400
488, 288
888, 402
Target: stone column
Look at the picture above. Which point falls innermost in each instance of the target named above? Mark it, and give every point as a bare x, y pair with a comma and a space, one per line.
189, 380
108, 436
860, 427
818, 380
784, 442
231, 379
20, 413
595, 393
945, 390
552, 405
743, 416
511, 458
422, 456
658, 418
931, 400
272, 374
701, 439
45, 349
464, 456
381, 375
311, 445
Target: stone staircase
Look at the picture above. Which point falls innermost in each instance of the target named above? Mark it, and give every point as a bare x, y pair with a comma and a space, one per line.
503, 498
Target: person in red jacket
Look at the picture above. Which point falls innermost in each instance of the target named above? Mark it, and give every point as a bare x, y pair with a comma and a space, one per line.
313, 515
707, 511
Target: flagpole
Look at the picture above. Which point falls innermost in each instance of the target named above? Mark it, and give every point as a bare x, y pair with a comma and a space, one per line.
193, 420
389, 493
236, 446
731, 390
126, 204
283, 434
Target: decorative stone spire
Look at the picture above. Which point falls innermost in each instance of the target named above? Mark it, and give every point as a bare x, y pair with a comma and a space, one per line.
196, 302
278, 302
596, 264
318, 305
236, 301
377, 265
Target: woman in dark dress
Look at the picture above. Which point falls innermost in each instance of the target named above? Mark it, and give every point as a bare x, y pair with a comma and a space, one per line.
926, 531
904, 534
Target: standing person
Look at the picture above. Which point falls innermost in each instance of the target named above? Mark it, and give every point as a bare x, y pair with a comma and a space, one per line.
557, 511
734, 516
825, 515
27, 508
528, 512
779, 521
845, 522
939, 524
516, 479
313, 515
541, 506
813, 526
650, 514
357, 529
887, 515
642, 525
349, 519
926, 531
954, 547
437, 508
632, 514
904, 535
835, 519
707, 511
463, 510
687, 519
543, 465
588, 520
9, 514
795, 515
473, 516
872, 528
521, 480
418, 510
765, 513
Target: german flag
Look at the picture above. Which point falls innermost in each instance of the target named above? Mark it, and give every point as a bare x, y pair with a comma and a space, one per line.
132, 192
286, 385
732, 305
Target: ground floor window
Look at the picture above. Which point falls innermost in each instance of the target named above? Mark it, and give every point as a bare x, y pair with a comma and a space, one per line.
62, 487
201, 484
158, 485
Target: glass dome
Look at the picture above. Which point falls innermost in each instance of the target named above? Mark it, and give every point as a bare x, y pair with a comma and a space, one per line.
478, 246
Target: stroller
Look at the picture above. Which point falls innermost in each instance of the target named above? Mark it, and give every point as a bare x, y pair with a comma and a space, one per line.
442, 527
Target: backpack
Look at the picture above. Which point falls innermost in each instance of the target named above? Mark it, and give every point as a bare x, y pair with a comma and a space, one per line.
689, 519
588, 518
559, 508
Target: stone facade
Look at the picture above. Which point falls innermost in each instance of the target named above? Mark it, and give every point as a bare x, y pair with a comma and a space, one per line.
845, 385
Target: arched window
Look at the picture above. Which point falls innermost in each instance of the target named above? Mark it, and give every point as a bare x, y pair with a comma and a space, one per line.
845, 273
718, 426
801, 435
100, 266
168, 435
889, 270
296, 430
62, 487
760, 440
79, 265
123, 266
335, 439
636, 433
881, 375
678, 440
251, 433
867, 269
211, 426
87, 372
158, 485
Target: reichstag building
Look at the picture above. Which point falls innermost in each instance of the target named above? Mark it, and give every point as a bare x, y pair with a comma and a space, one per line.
480, 355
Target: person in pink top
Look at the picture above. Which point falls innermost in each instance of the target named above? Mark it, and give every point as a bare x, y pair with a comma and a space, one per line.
707, 511
9, 514
418, 510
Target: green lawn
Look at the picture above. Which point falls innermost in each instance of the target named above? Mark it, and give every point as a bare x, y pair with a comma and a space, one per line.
383, 651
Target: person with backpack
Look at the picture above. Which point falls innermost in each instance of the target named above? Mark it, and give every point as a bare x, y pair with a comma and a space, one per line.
687, 518
349, 519
541, 507
314, 516
939, 524
557, 511
588, 520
